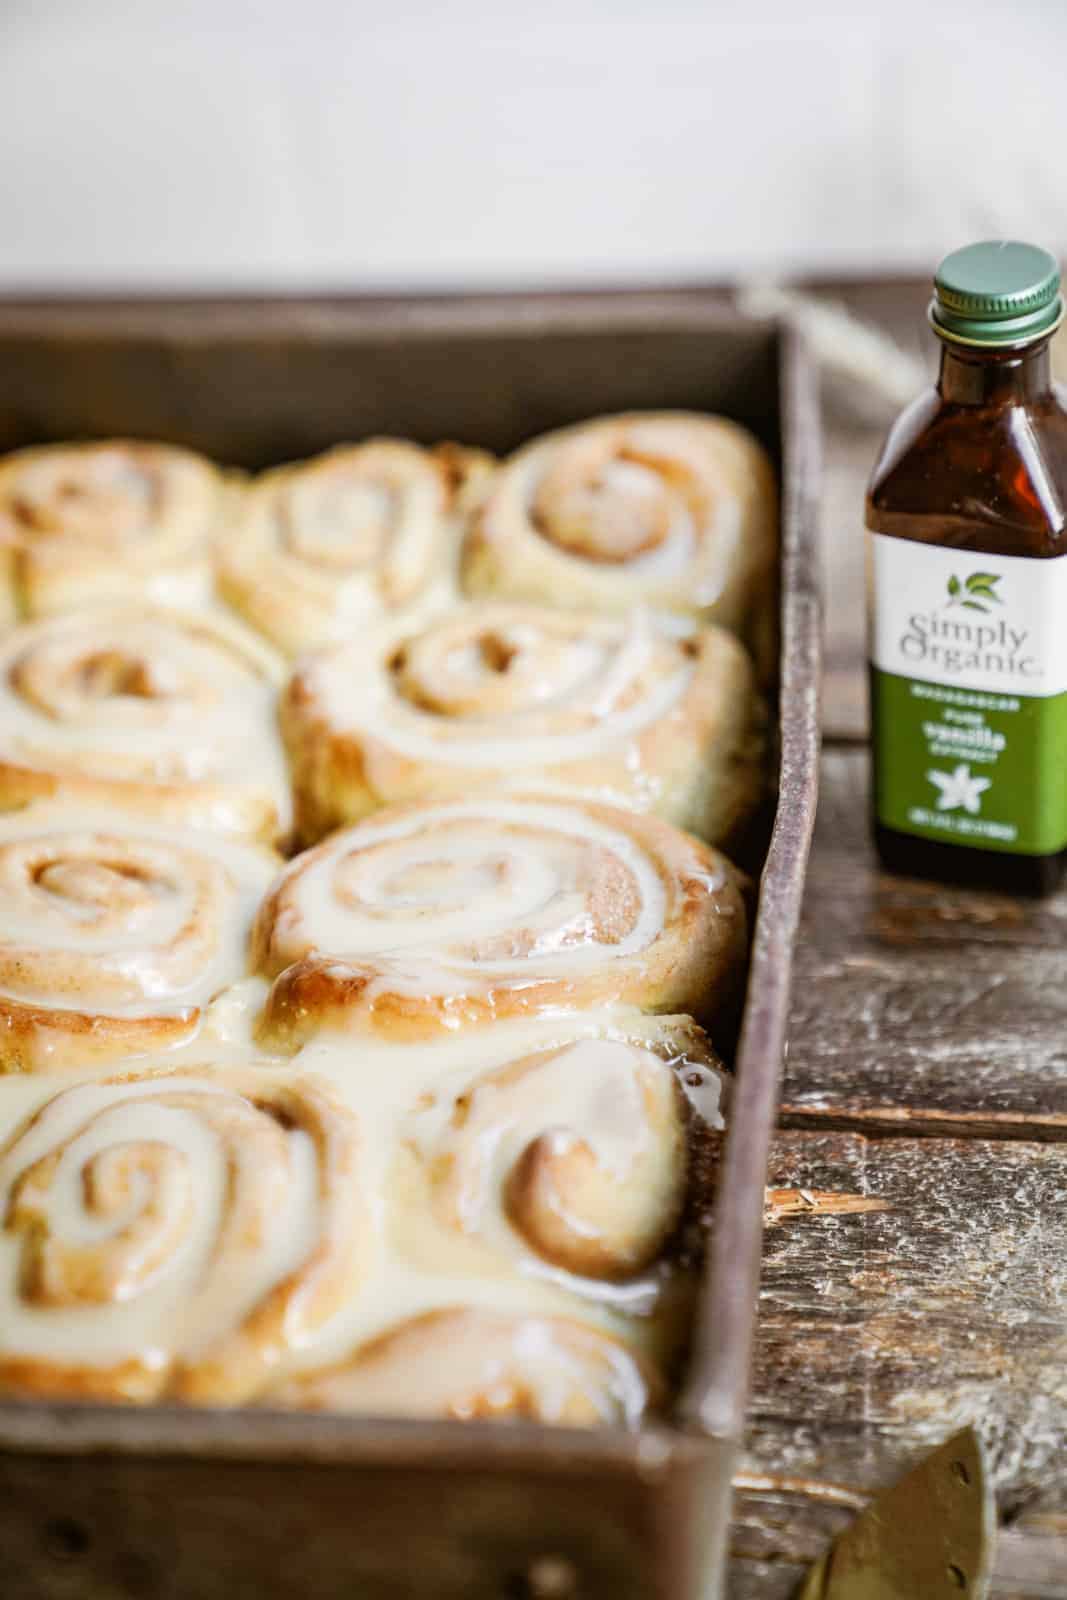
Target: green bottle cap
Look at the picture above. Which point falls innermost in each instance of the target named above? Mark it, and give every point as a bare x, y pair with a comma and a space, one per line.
999, 292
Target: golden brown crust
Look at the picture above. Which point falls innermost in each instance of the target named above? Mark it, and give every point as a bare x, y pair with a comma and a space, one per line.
33, 1038
662, 923
574, 1155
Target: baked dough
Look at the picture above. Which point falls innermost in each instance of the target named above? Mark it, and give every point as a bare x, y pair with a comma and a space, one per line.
365, 531
109, 520
165, 714
438, 917
672, 510
176, 1233
315, 1233
117, 934
503, 695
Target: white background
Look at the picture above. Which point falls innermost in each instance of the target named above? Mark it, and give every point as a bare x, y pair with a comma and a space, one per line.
221, 143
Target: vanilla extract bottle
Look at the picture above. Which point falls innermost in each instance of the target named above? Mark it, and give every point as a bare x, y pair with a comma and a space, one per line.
967, 586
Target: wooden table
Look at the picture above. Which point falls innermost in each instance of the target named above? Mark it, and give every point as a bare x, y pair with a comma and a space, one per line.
920, 1279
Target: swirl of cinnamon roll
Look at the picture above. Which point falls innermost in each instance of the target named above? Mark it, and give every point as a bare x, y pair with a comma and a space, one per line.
364, 531
116, 519
436, 917
164, 713
668, 509
176, 1234
476, 1365
503, 695
576, 1153
116, 934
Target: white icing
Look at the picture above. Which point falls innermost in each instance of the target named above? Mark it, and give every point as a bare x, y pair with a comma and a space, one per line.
326, 544
121, 917
114, 517
704, 1089
699, 553
673, 510
181, 1307
450, 886
409, 1260
574, 698
116, 694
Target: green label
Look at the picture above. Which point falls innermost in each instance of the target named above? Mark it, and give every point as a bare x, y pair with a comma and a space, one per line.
967, 766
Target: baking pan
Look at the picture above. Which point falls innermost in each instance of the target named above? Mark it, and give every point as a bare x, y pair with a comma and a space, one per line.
106, 1503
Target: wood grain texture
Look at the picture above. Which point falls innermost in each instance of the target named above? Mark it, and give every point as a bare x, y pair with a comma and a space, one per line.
1024, 1571
893, 1327
916, 1008
882, 1330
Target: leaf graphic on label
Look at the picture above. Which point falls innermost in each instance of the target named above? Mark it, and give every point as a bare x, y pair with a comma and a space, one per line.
953, 586
983, 583
975, 605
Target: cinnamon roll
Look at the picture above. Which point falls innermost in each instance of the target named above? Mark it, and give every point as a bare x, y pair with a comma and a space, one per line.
437, 917
164, 713
364, 531
117, 934
533, 1176
565, 1158
115, 519
474, 1365
668, 509
222, 1232
499, 695
176, 1234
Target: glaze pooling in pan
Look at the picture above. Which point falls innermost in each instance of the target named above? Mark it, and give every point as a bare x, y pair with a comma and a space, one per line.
217, 1231
482, 1366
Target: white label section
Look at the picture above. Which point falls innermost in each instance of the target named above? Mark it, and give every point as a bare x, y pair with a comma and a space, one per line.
983, 622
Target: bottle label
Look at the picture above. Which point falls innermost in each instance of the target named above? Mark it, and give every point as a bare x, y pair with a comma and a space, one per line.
969, 695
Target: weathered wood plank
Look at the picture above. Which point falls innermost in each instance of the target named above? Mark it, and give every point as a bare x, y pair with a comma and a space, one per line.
918, 1008
1031, 1566
883, 1330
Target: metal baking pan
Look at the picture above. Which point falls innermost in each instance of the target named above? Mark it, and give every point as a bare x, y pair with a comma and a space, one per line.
105, 1503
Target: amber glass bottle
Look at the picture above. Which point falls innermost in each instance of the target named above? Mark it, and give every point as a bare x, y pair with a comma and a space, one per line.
967, 580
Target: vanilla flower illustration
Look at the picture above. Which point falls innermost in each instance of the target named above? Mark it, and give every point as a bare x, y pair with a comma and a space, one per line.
959, 789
